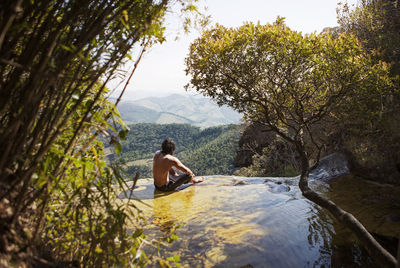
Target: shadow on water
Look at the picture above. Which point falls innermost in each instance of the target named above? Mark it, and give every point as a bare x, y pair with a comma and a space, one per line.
262, 222
338, 247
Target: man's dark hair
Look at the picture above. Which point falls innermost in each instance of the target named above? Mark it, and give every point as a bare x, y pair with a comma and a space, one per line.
168, 146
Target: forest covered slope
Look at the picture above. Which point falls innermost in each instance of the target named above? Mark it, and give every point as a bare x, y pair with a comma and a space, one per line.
206, 152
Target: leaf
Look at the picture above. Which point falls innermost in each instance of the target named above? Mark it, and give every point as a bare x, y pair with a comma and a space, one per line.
163, 264
118, 148
125, 14
177, 258
137, 233
122, 134
67, 48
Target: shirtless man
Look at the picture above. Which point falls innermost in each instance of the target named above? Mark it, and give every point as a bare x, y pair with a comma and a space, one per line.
165, 177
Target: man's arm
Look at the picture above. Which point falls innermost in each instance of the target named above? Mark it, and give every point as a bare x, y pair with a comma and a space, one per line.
178, 164
172, 172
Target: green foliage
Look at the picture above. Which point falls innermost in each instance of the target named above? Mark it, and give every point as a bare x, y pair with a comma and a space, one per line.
216, 156
363, 120
144, 139
377, 25
277, 159
206, 152
56, 58
374, 137
291, 83
81, 220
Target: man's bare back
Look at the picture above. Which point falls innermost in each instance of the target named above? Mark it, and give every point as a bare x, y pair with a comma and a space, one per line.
164, 173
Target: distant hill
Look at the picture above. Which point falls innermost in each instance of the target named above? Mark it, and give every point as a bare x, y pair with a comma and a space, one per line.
209, 151
182, 109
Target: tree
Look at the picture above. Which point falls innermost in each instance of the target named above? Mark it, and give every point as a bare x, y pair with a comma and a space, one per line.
56, 57
295, 85
376, 23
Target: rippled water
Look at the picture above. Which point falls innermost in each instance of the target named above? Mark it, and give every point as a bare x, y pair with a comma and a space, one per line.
264, 222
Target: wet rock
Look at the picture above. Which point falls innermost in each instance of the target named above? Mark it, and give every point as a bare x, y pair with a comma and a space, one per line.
240, 183
277, 187
253, 139
236, 183
330, 167
280, 189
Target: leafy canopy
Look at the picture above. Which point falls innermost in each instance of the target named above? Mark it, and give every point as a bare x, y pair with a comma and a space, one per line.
281, 78
56, 58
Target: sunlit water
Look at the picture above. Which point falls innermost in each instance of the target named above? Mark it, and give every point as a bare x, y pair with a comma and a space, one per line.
265, 222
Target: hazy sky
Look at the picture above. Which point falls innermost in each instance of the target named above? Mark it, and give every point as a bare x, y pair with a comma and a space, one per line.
161, 71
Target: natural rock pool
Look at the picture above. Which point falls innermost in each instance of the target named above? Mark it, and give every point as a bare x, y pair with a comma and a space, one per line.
266, 222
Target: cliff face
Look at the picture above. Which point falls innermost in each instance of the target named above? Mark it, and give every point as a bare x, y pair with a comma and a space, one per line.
254, 138
262, 153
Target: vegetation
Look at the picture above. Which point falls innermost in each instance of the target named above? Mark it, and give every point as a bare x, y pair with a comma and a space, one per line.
300, 87
369, 136
276, 159
216, 156
56, 197
377, 25
207, 152
56, 57
374, 137
262, 153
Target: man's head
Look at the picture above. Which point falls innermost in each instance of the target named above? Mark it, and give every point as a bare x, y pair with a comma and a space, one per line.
168, 146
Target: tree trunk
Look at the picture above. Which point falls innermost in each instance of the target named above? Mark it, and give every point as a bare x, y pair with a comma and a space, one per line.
376, 251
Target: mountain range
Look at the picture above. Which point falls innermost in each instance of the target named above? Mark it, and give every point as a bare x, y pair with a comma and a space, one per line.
176, 108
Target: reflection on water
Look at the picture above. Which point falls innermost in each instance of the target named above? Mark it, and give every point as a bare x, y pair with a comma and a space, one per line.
231, 224
168, 211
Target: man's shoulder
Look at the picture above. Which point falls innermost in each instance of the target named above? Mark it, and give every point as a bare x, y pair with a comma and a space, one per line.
158, 156
168, 157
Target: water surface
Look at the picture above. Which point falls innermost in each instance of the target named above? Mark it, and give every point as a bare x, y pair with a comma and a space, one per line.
264, 222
